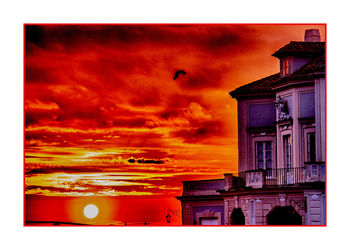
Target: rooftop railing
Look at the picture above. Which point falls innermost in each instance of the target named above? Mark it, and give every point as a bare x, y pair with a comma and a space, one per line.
202, 187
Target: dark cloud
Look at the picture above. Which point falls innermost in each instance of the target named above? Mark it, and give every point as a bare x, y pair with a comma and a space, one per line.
41, 116
52, 189
131, 123
211, 37
131, 160
147, 96
38, 157
35, 169
30, 120
203, 77
36, 74
145, 161
140, 139
33, 35
151, 154
176, 103
200, 132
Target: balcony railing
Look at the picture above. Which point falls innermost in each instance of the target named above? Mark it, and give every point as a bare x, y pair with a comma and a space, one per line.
311, 172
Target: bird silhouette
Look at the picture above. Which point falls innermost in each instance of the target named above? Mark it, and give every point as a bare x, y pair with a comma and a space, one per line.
177, 73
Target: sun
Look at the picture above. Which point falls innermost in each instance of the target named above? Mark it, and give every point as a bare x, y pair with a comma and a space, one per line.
90, 211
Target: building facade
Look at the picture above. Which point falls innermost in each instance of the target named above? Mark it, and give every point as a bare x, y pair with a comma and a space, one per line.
281, 146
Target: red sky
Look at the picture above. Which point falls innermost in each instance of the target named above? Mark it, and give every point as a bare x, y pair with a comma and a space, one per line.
104, 116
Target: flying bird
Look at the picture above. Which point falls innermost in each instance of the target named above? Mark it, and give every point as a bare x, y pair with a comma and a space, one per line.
177, 73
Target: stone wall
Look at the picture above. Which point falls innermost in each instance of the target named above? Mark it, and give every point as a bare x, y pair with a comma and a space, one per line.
261, 205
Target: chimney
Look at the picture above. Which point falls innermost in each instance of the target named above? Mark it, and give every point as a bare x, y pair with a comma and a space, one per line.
312, 35
228, 181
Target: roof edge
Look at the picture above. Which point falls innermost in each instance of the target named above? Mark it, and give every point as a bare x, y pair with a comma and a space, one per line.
235, 93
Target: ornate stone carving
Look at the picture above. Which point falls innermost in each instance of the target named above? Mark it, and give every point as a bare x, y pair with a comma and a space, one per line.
314, 197
282, 109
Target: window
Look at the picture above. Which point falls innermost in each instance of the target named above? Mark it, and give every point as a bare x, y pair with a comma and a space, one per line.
309, 143
307, 105
284, 67
287, 152
311, 147
262, 115
264, 156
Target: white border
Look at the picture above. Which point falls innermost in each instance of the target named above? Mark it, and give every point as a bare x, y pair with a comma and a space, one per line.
15, 13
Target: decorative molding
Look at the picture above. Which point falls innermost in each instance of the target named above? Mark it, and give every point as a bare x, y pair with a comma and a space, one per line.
285, 123
258, 130
299, 204
208, 214
282, 199
307, 120
315, 197
282, 109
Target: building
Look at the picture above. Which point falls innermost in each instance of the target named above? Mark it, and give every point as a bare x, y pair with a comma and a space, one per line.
281, 144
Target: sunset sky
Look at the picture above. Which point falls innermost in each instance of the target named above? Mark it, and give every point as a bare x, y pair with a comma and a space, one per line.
105, 118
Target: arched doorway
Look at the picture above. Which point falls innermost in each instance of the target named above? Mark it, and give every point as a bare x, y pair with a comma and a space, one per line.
283, 216
237, 217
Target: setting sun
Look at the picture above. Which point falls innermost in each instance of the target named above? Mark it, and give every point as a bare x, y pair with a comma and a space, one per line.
90, 211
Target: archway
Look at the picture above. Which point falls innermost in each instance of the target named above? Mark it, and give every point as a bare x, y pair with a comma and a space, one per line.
283, 216
237, 217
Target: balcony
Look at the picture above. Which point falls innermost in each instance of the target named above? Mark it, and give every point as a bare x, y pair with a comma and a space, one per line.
311, 172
